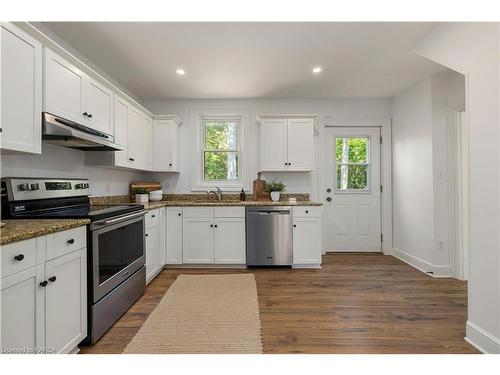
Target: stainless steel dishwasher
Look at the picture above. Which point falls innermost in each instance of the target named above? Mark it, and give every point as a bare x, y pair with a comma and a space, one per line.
269, 235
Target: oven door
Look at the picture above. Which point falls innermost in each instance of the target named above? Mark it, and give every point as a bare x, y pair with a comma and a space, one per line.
117, 251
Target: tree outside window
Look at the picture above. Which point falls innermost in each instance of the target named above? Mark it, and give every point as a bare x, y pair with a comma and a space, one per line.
221, 150
352, 162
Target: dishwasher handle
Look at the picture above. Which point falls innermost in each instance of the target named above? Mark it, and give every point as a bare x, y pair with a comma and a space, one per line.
270, 212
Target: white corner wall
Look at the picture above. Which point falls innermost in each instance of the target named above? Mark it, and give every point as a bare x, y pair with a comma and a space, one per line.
473, 49
296, 182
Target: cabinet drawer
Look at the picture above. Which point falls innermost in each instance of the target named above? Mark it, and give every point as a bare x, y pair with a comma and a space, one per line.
229, 211
25, 251
69, 240
152, 218
307, 211
198, 212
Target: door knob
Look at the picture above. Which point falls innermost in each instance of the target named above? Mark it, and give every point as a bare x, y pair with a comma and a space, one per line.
329, 199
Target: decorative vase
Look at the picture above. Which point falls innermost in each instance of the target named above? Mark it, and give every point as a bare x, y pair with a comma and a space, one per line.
275, 196
141, 198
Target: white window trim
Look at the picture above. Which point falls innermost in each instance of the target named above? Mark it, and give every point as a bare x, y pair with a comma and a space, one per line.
197, 116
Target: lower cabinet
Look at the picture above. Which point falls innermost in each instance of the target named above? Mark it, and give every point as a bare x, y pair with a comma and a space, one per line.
173, 231
306, 239
154, 249
213, 236
44, 307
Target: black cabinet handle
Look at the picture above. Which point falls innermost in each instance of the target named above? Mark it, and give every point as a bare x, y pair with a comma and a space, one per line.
216, 225
146, 235
179, 214
19, 257
71, 241
44, 283
131, 159
211, 225
295, 225
153, 215
329, 199
307, 212
169, 164
90, 115
52, 279
85, 114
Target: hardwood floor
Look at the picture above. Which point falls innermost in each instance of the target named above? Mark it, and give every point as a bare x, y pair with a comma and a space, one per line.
357, 303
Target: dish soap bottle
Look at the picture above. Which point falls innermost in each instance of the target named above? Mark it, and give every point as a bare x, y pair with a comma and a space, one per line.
243, 196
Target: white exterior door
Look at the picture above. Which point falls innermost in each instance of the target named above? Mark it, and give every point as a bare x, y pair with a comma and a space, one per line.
352, 193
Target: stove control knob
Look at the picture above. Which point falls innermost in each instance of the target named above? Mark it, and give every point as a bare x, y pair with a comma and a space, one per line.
35, 186
24, 187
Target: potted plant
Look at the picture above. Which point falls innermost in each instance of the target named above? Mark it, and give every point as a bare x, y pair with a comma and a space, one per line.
141, 195
275, 188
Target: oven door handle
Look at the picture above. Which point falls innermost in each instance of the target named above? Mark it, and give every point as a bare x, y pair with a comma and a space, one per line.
121, 218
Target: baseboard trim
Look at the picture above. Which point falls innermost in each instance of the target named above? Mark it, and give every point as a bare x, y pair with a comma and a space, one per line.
422, 265
481, 340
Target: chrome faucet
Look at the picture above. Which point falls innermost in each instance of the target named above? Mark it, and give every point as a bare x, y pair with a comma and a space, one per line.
217, 193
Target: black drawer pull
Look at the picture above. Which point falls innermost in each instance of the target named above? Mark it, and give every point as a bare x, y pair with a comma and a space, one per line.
71, 241
153, 215
44, 283
131, 159
52, 279
216, 225
19, 257
179, 214
307, 212
169, 164
146, 235
85, 114
90, 115
211, 225
295, 225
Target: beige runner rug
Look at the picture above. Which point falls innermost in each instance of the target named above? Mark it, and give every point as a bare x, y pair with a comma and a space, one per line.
203, 314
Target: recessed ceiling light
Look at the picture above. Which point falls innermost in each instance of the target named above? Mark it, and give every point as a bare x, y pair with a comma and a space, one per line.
317, 69
180, 72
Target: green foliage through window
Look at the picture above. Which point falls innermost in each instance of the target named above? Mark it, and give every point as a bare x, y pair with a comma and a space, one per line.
351, 155
220, 156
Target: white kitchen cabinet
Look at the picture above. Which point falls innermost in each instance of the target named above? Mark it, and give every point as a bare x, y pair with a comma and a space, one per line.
152, 252
166, 143
121, 130
273, 145
99, 106
21, 87
197, 240
45, 305
63, 88
76, 96
23, 310
287, 144
306, 238
229, 240
147, 147
173, 235
300, 140
66, 301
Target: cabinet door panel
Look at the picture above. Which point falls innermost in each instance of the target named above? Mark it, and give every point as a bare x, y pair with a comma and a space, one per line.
306, 241
147, 136
152, 252
165, 146
198, 240
230, 241
63, 88
99, 106
66, 301
300, 144
273, 145
21, 87
121, 130
22, 301
174, 236
135, 136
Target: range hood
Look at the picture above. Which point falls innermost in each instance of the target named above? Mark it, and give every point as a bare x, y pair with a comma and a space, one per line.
62, 132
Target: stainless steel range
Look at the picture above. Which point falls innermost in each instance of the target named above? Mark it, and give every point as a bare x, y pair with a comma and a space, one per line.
115, 241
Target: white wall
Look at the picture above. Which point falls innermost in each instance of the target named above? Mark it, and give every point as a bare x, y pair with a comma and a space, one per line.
473, 49
64, 162
297, 182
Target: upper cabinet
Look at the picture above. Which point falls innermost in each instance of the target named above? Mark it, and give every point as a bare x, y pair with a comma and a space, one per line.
287, 144
166, 143
72, 94
21, 87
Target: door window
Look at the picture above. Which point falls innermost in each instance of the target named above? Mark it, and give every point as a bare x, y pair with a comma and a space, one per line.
352, 162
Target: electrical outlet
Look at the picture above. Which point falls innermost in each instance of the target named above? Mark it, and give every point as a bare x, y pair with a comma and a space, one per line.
440, 245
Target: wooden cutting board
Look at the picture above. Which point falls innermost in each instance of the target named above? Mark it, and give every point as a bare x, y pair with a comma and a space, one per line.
259, 189
149, 186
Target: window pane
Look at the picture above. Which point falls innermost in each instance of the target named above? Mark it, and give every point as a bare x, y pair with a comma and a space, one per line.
352, 177
220, 165
221, 135
351, 150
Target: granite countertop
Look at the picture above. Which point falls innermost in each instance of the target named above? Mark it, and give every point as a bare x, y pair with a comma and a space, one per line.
181, 203
18, 230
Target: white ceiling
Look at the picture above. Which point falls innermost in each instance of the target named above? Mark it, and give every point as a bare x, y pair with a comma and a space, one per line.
253, 60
